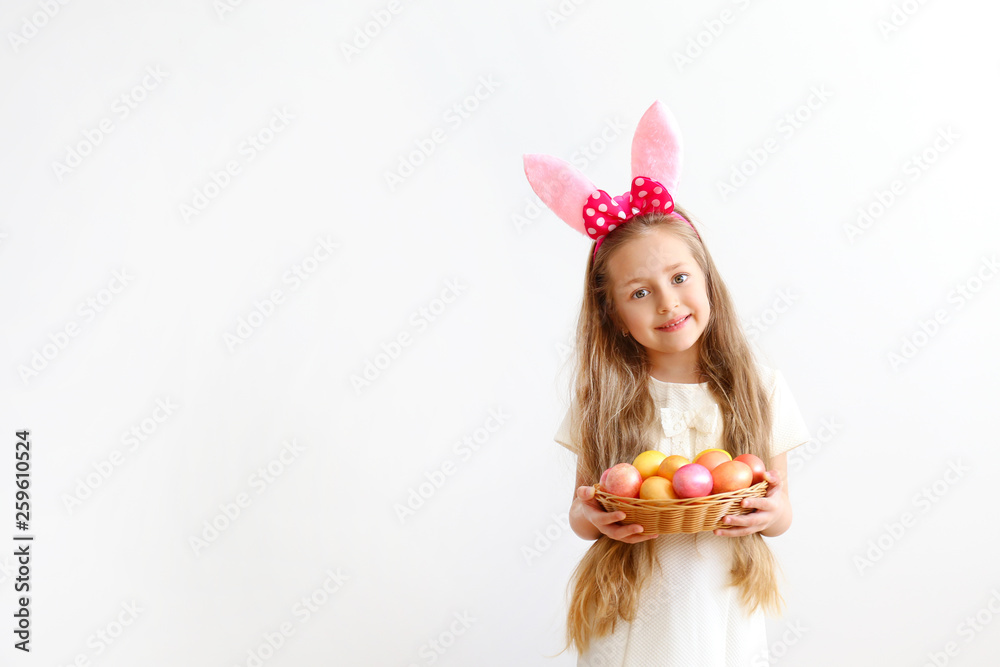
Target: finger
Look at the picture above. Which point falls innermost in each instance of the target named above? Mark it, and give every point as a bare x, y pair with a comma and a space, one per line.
600, 518
641, 537
758, 504
741, 519
630, 533
735, 532
741, 524
585, 492
626, 532
774, 484
590, 501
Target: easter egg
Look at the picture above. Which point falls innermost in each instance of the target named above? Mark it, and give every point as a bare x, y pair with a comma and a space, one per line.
648, 462
670, 465
713, 457
731, 476
692, 481
623, 480
705, 451
657, 488
755, 464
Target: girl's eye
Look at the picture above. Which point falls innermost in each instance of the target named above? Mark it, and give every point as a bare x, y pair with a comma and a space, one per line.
679, 275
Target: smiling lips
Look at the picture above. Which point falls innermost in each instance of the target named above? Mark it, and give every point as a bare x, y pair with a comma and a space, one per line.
674, 325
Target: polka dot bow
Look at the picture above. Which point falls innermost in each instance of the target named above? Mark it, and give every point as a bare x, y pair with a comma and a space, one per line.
603, 213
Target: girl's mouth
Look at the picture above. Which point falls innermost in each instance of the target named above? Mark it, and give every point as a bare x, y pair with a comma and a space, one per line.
676, 326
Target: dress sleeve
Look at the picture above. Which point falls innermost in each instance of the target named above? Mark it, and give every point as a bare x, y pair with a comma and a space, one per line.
564, 436
788, 428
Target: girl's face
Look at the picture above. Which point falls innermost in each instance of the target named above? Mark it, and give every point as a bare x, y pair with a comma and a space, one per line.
656, 282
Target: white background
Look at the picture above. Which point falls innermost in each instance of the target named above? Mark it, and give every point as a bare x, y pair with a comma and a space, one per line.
825, 307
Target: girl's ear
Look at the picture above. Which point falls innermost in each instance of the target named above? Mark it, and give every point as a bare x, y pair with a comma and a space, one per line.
656, 147
562, 187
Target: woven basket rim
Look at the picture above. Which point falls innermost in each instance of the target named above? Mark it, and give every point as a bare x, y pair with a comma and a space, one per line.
669, 502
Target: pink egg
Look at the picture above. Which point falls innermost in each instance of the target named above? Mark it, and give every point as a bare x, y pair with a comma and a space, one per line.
624, 479
693, 481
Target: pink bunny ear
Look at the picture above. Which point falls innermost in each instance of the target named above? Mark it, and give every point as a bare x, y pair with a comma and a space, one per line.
656, 147
562, 187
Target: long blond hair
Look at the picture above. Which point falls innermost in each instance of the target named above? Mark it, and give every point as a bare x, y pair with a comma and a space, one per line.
617, 422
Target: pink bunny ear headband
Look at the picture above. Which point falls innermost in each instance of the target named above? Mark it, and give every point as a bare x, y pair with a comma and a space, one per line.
656, 165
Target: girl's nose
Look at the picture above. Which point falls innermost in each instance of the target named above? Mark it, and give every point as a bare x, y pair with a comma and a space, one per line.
668, 300
667, 303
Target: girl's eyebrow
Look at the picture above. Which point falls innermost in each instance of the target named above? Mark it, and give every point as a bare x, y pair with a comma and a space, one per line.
640, 277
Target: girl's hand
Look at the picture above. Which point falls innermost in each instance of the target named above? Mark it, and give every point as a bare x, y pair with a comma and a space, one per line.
606, 522
771, 510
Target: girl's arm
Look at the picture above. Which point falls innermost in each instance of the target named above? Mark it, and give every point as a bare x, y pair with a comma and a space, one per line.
774, 510
577, 521
589, 520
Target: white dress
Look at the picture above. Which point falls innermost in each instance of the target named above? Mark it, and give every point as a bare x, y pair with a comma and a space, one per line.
688, 615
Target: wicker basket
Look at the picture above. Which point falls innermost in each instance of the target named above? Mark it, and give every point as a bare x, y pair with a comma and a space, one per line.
688, 515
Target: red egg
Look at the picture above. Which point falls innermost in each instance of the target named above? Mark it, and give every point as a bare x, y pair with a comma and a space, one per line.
731, 476
755, 464
623, 479
692, 481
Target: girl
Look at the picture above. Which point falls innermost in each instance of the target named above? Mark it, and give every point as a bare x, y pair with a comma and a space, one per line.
663, 363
